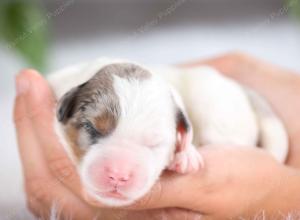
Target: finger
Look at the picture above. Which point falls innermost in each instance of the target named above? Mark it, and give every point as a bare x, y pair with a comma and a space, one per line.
32, 161
34, 166
41, 188
40, 105
31, 155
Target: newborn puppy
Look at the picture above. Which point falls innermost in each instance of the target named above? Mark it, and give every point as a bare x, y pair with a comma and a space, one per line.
122, 124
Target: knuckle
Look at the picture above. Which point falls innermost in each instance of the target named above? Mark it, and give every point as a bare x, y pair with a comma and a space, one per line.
62, 168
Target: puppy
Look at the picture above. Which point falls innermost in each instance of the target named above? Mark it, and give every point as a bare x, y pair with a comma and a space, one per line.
122, 124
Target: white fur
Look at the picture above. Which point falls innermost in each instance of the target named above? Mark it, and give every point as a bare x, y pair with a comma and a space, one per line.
219, 109
273, 137
139, 118
223, 112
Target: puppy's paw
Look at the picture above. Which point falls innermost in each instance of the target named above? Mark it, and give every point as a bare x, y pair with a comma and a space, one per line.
187, 161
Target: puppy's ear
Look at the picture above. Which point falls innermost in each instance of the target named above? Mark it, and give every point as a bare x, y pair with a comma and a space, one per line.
67, 104
184, 129
187, 158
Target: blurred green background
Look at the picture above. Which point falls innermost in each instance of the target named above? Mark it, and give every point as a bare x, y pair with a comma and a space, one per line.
26, 28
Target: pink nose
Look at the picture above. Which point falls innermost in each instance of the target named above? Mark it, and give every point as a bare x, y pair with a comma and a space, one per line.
118, 177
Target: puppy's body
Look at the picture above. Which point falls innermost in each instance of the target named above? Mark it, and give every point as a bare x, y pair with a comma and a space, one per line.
150, 126
224, 112
208, 97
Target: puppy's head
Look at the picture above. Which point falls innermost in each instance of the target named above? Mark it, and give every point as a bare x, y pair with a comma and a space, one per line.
122, 126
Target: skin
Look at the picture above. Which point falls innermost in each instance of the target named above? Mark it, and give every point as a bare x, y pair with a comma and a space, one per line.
234, 183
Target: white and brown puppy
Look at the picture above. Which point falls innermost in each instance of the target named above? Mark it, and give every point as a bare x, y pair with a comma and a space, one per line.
122, 124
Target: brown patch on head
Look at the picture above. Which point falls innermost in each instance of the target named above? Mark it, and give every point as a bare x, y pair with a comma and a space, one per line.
72, 135
92, 110
99, 91
105, 123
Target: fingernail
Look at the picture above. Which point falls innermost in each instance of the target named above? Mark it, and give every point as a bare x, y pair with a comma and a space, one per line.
22, 85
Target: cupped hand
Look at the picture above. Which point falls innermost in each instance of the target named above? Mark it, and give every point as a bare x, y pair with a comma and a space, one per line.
45, 165
233, 183
51, 180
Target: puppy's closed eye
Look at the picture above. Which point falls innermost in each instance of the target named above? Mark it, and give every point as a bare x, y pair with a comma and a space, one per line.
91, 130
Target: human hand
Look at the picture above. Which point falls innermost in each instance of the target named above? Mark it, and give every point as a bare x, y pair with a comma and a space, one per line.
44, 164
206, 188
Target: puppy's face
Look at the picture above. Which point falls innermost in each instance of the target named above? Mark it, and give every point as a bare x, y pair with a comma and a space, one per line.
121, 126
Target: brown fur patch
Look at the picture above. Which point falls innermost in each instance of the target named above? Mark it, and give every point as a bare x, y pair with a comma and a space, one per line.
72, 134
97, 102
105, 123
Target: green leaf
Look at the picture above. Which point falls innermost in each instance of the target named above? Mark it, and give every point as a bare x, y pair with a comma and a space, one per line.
24, 28
294, 7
